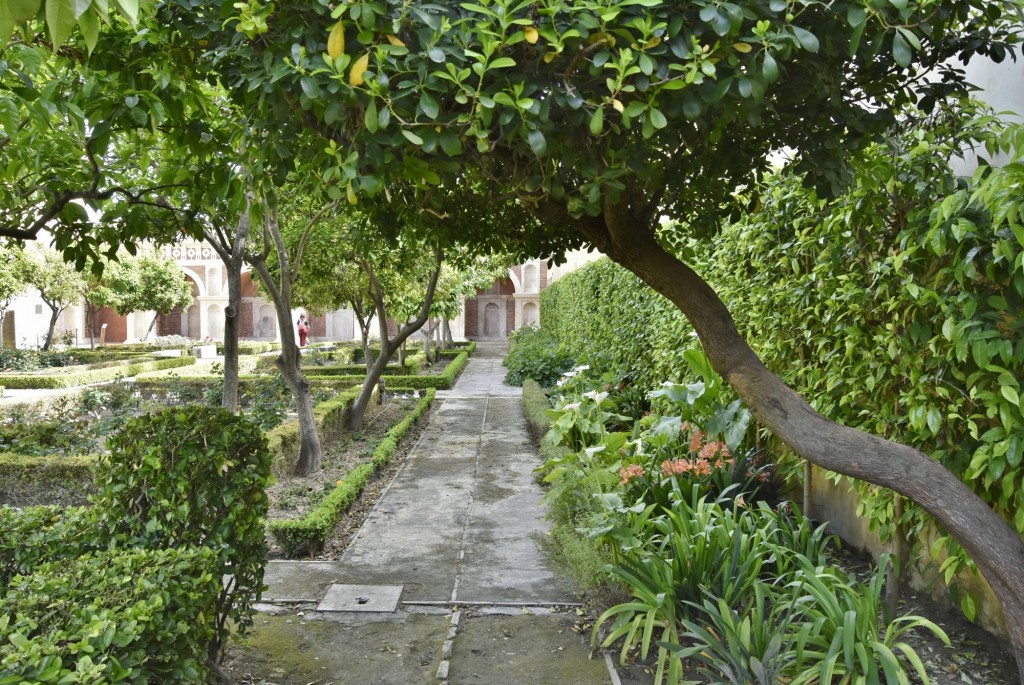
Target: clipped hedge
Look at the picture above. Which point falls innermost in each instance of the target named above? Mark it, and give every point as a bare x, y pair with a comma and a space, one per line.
154, 384
131, 616
70, 379
32, 480
306, 536
454, 348
345, 369
251, 347
442, 381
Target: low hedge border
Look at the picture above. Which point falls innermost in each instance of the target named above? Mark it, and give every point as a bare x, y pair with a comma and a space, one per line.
454, 349
306, 536
535, 406
251, 347
203, 382
33, 480
443, 381
344, 369
76, 378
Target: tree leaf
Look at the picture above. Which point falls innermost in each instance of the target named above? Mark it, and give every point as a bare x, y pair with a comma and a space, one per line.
770, 69
61, 18
370, 117
451, 144
597, 121
130, 9
412, 137
901, 51
530, 35
538, 143
436, 55
1010, 394
355, 75
395, 40
13, 12
90, 25
808, 41
336, 41
428, 103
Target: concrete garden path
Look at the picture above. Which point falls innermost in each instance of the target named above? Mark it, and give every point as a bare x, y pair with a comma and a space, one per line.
446, 581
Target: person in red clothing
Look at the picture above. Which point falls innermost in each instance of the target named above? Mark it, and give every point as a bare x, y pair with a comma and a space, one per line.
303, 330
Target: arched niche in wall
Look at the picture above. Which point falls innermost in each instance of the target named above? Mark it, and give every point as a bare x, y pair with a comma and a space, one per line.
531, 278
531, 314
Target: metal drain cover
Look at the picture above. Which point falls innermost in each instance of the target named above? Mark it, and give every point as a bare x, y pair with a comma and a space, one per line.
379, 598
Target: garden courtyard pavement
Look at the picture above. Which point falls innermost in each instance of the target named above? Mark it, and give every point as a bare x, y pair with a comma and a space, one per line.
446, 581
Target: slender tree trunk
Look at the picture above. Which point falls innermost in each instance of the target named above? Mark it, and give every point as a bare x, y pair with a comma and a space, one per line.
90, 320
54, 315
151, 325
388, 344
289, 362
994, 546
449, 338
364, 332
231, 250
232, 323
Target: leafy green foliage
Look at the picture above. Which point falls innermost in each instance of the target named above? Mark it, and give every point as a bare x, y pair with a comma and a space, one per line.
535, 355
37, 535
193, 477
143, 615
907, 323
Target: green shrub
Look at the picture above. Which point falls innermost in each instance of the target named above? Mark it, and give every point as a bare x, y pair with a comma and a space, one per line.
536, 354
75, 378
36, 535
536, 405
193, 476
251, 347
306, 536
135, 616
27, 480
345, 369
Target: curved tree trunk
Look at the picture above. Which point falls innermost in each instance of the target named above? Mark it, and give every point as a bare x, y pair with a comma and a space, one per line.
289, 362
389, 345
994, 546
54, 315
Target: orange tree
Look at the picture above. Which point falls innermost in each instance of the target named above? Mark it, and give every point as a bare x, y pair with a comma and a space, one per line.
602, 117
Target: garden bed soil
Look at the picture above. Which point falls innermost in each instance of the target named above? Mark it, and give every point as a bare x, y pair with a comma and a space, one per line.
298, 494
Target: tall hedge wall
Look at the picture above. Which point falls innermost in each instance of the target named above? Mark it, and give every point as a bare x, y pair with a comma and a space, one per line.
896, 309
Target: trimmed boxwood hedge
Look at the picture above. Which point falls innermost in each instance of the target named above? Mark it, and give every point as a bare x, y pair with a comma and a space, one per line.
251, 347
33, 480
70, 379
345, 369
442, 381
306, 536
